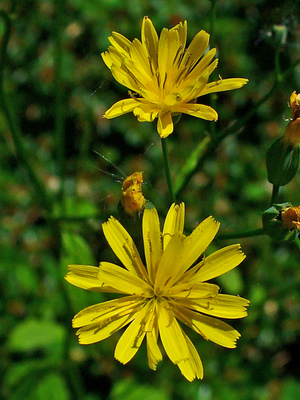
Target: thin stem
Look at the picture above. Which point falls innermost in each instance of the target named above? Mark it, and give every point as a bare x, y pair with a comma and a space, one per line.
244, 234
59, 99
211, 148
213, 96
277, 66
275, 192
16, 134
212, 23
167, 168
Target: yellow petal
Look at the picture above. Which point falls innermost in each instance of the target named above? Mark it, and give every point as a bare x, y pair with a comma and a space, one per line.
86, 277
210, 328
122, 75
123, 246
132, 338
146, 112
196, 244
174, 222
165, 125
224, 84
120, 43
193, 291
182, 32
103, 320
222, 305
139, 57
169, 266
108, 311
167, 52
94, 333
197, 110
123, 280
121, 107
150, 41
171, 334
112, 57
218, 263
153, 351
192, 367
152, 241
195, 50
201, 66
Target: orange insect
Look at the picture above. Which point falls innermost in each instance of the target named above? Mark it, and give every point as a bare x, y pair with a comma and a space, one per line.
132, 199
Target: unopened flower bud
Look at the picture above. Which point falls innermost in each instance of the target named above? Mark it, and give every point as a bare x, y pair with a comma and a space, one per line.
282, 222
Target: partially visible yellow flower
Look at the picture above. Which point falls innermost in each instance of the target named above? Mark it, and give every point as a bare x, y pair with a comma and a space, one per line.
292, 131
291, 217
169, 286
132, 199
164, 76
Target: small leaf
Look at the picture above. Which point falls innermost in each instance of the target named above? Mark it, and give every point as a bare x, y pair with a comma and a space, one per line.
52, 387
32, 334
75, 250
128, 389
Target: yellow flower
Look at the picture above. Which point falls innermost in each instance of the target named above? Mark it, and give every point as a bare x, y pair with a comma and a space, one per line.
169, 286
165, 78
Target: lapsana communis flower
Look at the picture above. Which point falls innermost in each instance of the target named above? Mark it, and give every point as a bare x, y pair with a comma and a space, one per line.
170, 286
165, 77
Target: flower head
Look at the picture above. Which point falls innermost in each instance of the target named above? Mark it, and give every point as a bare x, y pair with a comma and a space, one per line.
292, 131
291, 218
165, 78
169, 287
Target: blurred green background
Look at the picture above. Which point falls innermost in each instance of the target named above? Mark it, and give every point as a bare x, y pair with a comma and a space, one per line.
57, 89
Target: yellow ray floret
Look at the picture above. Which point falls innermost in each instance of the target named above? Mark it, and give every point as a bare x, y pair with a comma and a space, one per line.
169, 287
165, 76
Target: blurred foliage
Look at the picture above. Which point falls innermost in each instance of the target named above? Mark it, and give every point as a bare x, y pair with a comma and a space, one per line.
58, 88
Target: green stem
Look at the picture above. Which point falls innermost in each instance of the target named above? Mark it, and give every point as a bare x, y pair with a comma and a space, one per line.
167, 169
212, 23
213, 96
297, 241
244, 234
275, 192
211, 148
277, 66
16, 134
59, 99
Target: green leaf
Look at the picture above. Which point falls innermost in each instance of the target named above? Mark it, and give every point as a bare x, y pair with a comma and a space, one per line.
32, 334
75, 250
232, 282
290, 390
128, 389
190, 165
22, 370
51, 387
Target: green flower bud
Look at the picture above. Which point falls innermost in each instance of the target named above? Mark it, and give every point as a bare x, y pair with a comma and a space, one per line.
282, 162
